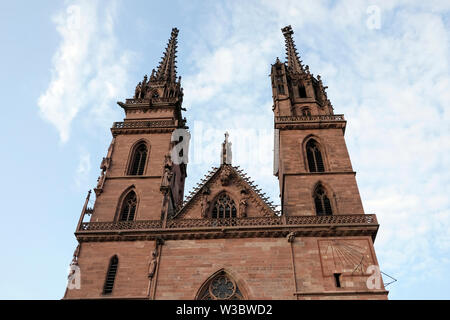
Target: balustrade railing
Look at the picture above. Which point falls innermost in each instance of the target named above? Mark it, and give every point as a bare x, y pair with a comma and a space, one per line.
327, 117
224, 222
121, 225
333, 219
153, 100
143, 124
365, 219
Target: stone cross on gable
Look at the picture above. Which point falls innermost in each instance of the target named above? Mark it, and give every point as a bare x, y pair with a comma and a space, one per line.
226, 151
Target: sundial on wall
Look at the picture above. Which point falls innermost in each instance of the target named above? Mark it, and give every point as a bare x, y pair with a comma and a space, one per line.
345, 257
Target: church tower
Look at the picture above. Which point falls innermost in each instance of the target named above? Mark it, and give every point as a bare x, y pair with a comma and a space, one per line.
311, 159
138, 179
141, 239
130, 182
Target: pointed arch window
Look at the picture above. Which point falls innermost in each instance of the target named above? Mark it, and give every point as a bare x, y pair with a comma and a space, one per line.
224, 207
281, 89
322, 202
220, 287
138, 160
111, 275
314, 156
128, 210
306, 112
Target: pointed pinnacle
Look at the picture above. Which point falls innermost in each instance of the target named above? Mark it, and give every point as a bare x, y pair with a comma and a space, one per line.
293, 61
167, 68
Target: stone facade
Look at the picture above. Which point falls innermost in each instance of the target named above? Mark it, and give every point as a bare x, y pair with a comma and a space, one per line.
226, 240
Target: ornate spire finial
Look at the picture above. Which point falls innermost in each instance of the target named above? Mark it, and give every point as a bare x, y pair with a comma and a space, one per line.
167, 69
226, 151
294, 62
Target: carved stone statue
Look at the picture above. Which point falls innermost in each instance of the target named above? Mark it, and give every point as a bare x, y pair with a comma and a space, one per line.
243, 208
104, 165
153, 263
167, 174
137, 91
205, 205
225, 176
291, 237
243, 203
205, 202
100, 180
166, 178
76, 254
226, 154
168, 161
143, 88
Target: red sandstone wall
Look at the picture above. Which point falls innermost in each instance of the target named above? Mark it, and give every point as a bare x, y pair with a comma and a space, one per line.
262, 268
147, 186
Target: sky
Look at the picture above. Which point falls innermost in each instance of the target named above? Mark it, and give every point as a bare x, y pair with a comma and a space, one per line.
65, 64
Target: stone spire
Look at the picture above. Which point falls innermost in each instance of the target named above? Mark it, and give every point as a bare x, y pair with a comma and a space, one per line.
293, 61
226, 151
167, 69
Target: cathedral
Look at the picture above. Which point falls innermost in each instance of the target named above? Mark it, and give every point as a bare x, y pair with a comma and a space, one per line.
143, 239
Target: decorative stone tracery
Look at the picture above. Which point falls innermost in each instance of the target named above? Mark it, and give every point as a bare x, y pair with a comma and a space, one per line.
220, 287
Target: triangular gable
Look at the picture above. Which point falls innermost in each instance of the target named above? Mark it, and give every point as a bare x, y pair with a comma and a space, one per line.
234, 181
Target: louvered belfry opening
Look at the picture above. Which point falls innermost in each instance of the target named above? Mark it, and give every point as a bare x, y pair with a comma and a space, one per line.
111, 275
128, 210
302, 91
322, 202
314, 156
138, 160
224, 207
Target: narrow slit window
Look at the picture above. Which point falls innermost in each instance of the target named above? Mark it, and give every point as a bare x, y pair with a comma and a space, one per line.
337, 280
111, 275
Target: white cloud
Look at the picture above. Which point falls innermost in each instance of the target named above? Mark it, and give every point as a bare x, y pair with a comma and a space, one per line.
83, 169
87, 69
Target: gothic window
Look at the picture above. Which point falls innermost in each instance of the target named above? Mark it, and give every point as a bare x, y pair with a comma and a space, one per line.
220, 287
128, 209
322, 202
306, 112
281, 89
314, 156
138, 160
301, 91
224, 207
111, 275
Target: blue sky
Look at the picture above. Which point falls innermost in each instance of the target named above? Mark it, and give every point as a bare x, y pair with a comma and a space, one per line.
65, 64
